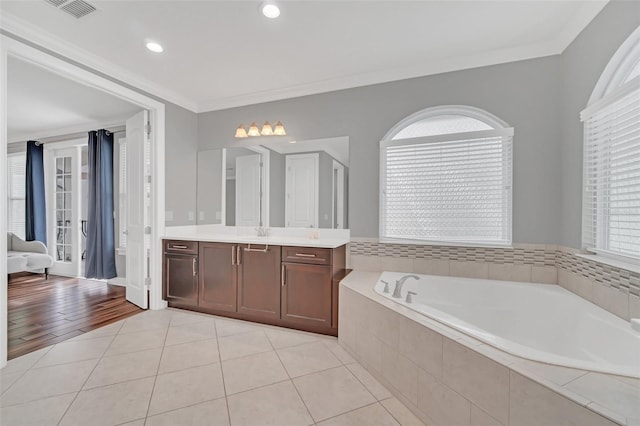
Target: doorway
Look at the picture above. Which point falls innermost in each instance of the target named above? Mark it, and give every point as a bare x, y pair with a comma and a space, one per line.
156, 125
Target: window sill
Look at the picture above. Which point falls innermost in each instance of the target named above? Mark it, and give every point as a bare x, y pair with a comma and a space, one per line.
598, 258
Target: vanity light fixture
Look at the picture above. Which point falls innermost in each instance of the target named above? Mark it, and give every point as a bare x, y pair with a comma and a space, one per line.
241, 132
279, 130
267, 130
253, 130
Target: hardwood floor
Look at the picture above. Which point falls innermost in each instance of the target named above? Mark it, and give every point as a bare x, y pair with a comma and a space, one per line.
43, 312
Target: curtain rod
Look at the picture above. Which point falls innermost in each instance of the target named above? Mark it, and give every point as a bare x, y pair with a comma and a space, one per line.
60, 138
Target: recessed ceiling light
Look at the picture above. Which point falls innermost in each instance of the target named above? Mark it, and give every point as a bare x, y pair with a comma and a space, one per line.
154, 47
270, 10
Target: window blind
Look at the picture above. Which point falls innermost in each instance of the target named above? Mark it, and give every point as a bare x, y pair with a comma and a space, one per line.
611, 201
448, 188
16, 169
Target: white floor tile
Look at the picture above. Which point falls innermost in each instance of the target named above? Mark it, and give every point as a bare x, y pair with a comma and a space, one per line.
375, 387
46, 411
401, 413
48, 381
307, 358
110, 405
134, 342
285, 338
371, 415
238, 345
121, 368
201, 330
339, 352
105, 331
210, 413
25, 362
186, 387
252, 371
187, 355
7, 379
274, 405
75, 351
230, 327
332, 392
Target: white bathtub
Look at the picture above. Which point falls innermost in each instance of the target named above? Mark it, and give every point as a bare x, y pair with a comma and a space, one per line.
543, 323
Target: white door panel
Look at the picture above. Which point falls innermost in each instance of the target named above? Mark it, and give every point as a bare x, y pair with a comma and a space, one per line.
302, 191
248, 190
137, 208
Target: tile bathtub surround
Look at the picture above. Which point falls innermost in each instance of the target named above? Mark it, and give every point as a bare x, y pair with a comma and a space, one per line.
614, 289
461, 381
176, 367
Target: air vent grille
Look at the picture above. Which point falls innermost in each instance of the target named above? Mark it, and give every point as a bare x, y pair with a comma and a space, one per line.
75, 8
57, 3
78, 8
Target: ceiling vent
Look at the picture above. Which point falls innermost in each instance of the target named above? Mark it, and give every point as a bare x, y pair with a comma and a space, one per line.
75, 8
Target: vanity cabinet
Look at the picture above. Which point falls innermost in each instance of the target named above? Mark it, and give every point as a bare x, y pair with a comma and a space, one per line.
259, 281
306, 294
288, 286
218, 281
180, 272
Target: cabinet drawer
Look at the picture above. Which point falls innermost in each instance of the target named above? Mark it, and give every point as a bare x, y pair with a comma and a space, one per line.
181, 247
310, 255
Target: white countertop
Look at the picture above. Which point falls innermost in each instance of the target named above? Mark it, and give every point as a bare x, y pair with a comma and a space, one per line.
326, 238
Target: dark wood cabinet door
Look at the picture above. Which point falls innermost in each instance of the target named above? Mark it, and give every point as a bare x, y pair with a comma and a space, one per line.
306, 294
218, 278
259, 281
181, 279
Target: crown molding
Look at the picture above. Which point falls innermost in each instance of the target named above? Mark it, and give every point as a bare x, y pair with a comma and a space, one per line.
16, 27
556, 46
459, 63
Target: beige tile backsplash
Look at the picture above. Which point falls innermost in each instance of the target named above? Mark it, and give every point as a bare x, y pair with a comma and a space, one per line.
614, 289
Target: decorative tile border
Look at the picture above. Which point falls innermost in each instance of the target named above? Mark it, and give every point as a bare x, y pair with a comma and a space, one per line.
527, 254
539, 255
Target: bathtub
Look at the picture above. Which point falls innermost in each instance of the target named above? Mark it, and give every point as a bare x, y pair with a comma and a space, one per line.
544, 323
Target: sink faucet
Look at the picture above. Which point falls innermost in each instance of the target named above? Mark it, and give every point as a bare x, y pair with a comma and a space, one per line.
399, 283
262, 231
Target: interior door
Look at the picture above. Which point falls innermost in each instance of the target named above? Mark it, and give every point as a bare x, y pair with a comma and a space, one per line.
302, 191
63, 180
137, 200
248, 191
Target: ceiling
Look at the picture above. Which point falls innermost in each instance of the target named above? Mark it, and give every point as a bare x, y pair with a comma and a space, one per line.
221, 54
43, 104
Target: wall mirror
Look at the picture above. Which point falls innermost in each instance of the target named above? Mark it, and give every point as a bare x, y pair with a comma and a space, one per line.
300, 184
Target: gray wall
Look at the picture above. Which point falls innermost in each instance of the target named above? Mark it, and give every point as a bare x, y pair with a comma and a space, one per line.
582, 64
325, 190
525, 94
181, 146
209, 197
277, 174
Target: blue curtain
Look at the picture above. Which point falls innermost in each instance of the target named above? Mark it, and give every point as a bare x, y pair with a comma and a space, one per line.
101, 257
35, 211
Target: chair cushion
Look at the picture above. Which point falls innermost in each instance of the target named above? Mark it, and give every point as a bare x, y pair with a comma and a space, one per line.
16, 262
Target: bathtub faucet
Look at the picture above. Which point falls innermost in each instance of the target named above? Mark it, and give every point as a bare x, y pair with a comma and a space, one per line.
399, 283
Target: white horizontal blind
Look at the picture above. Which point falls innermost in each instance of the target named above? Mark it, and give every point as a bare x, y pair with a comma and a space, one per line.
611, 202
448, 188
16, 169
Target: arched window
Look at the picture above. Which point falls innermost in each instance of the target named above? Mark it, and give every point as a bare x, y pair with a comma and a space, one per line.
446, 176
611, 196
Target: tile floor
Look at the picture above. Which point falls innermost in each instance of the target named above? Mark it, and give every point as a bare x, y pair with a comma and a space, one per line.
174, 367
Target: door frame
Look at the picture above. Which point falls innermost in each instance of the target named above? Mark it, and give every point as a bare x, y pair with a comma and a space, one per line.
14, 48
74, 148
287, 186
337, 195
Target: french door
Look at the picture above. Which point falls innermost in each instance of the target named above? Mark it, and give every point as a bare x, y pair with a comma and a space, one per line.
63, 174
